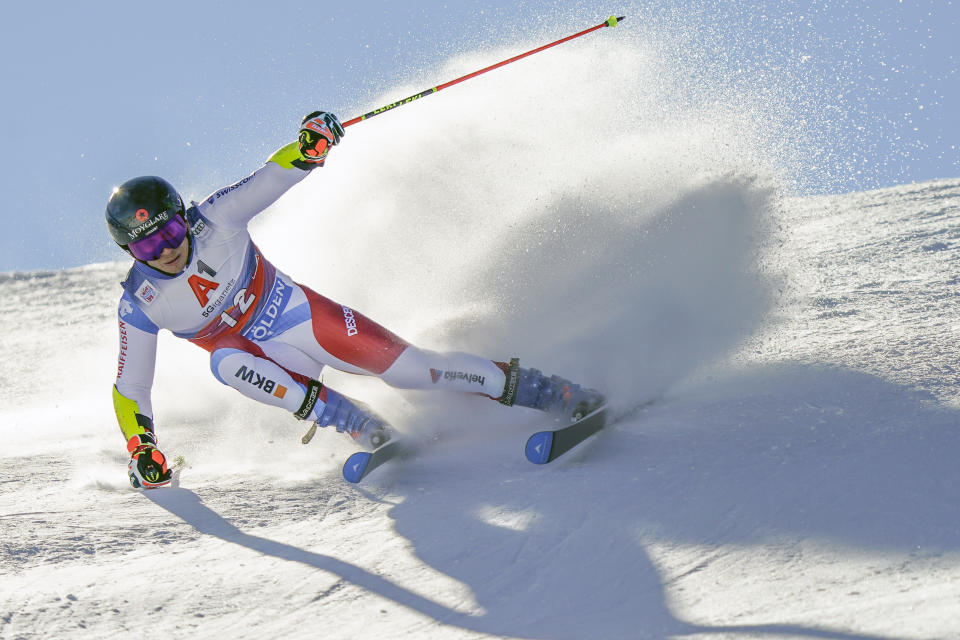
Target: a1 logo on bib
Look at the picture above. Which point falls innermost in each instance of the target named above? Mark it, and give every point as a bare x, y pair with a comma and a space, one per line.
202, 288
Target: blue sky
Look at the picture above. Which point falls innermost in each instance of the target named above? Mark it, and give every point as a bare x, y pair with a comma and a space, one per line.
200, 92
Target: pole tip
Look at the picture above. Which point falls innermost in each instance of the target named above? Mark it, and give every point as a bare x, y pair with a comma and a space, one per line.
613, 20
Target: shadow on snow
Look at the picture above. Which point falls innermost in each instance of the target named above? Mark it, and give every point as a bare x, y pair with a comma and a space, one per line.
780, 453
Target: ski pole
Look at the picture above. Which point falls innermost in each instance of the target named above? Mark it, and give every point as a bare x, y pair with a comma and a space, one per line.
610, 22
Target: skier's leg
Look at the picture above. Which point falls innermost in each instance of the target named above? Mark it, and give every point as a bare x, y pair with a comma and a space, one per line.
417, 368
347, 340
505, 382
341, 337
241, 364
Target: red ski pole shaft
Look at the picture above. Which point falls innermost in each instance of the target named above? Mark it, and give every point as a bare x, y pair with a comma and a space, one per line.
610, 22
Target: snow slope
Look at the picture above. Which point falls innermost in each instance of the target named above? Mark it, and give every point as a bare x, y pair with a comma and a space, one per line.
796, 478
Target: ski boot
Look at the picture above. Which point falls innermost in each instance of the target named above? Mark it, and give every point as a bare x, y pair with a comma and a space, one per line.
353, 418
555, 395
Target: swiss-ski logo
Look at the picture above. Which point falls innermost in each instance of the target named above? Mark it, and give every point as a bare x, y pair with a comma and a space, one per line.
147, 292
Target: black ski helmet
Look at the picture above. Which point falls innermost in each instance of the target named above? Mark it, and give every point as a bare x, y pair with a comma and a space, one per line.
139, 207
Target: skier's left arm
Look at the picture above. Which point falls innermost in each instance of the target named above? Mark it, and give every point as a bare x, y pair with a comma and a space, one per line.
136, 361
235, 205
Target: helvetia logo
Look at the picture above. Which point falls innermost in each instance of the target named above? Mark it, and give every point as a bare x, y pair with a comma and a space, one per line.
456, 376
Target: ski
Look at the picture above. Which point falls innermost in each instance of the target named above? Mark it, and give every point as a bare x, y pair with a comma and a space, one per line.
359, 465
546, 446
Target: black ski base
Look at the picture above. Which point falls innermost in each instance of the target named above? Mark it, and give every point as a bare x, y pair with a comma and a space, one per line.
546, 446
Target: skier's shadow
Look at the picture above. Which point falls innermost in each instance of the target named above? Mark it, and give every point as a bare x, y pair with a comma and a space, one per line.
541, 566
187, 506
806, 453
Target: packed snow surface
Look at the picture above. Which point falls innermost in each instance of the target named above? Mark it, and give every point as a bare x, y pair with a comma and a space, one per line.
796, 476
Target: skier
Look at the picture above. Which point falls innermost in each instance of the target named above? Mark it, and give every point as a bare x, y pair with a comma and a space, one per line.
198, 274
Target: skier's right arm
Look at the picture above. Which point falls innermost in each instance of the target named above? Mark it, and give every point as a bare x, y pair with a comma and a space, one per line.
232, 207
131, 396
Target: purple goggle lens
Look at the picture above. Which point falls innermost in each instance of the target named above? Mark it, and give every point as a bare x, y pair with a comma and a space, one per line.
169, 235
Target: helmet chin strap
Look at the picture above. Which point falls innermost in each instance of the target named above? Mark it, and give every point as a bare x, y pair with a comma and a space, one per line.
189, 247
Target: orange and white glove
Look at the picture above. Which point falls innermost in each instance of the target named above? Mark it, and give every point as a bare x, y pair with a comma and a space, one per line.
147, 468
318, 132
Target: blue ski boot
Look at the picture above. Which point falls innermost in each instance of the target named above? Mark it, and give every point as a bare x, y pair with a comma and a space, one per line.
353, 418
555, 395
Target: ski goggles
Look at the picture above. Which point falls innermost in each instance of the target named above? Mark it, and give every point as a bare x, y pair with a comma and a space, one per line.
170, 235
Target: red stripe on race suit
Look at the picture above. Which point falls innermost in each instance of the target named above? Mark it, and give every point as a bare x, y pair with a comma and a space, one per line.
352, 337
248, 303
343, 333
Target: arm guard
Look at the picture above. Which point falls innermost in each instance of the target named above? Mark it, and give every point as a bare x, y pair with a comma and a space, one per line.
132, 422
288, 157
